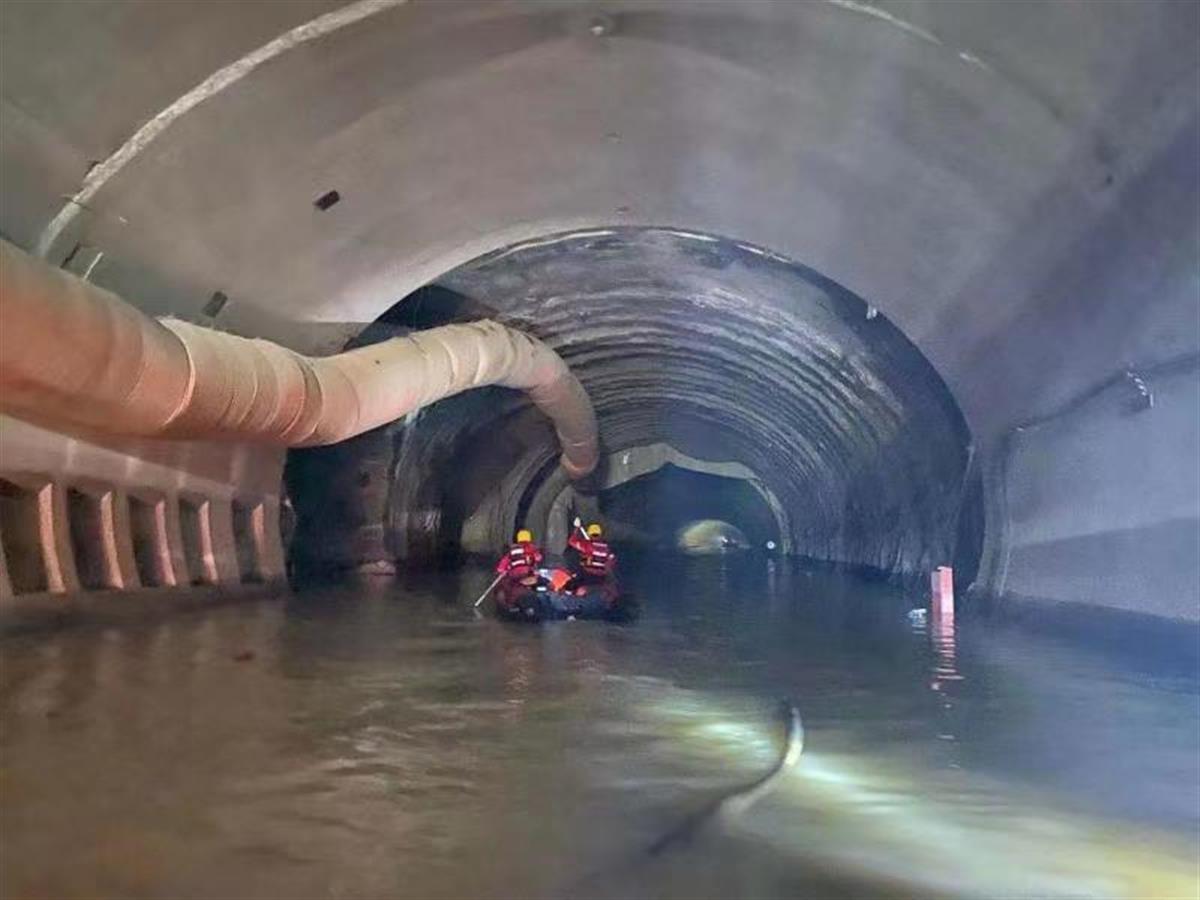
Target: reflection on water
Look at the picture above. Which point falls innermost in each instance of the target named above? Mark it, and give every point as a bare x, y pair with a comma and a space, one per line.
382, 740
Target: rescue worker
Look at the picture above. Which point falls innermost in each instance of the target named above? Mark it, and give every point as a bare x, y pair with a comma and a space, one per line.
521, 560
593, 558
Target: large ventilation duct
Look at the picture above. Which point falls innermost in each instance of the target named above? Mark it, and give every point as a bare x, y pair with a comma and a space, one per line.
72, 354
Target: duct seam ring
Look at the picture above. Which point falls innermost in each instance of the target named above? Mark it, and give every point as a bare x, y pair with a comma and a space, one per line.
425, 369
311, 384
186, 397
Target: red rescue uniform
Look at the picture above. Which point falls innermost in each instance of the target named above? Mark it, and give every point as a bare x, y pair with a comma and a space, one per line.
520, 562
596, 558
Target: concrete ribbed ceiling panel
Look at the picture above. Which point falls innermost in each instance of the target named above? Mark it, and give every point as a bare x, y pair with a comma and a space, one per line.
729, 353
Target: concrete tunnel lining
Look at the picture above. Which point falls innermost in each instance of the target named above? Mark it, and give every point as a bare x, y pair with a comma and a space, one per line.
1012, 185
996, 139
725, 353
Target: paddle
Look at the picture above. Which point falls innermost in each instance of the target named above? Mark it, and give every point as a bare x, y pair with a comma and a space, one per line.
490, 588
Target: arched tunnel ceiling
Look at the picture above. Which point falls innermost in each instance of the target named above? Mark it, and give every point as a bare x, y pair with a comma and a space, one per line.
724, 353
974, 170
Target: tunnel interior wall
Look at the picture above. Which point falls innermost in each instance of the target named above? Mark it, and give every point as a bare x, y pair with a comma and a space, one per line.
1098, 503
1014, 185
1084, 397
718, 350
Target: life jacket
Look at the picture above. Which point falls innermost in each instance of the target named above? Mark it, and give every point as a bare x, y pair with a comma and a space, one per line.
597, 558
522, 560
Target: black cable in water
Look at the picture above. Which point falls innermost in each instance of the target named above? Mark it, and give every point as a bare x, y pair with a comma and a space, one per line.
736, 802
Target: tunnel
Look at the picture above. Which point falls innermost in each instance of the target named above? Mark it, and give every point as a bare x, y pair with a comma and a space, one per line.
696, 351
925, 259
867, 331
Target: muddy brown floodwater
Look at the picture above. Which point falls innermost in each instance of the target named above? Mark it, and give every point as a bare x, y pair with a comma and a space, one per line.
381, 740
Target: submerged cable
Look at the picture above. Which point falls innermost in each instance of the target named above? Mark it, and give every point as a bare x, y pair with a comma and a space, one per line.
736, 802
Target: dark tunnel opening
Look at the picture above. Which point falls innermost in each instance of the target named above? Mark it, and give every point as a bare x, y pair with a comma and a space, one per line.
693, 348
661, 508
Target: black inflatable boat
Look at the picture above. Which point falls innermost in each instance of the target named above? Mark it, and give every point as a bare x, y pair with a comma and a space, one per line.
540, 602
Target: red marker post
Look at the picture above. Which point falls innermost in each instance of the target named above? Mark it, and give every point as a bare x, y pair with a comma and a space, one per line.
943, 597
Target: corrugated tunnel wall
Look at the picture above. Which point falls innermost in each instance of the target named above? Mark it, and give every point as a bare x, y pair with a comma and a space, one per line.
720, 351
927, 271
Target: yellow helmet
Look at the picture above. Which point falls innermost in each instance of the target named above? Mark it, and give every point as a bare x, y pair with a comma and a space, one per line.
524, 536
594, 530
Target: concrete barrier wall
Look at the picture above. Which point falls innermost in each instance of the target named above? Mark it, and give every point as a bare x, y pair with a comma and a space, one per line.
81, 519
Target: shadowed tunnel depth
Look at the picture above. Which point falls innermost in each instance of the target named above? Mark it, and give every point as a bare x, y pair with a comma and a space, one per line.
722, 352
